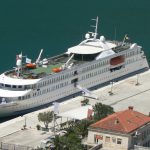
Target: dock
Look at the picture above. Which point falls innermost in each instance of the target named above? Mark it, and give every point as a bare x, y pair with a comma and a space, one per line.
133, 91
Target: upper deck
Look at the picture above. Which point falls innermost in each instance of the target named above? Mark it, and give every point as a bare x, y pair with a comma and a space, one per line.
59, 61
41, 71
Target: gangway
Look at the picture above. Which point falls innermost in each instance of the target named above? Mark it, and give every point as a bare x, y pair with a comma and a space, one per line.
87, 93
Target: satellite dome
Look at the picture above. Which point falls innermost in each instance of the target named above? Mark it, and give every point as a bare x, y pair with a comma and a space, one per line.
102, 38
87, 35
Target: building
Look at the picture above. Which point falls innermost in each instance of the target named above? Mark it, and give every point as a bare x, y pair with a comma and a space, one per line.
121, 131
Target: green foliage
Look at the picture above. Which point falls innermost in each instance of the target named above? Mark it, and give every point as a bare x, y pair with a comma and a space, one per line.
72, 139
101, 111
68, 142
85, 102
46, 117
81, 128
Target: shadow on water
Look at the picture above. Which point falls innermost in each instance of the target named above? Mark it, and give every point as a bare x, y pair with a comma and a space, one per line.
7, 118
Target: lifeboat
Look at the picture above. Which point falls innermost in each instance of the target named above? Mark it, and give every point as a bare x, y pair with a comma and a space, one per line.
57, 70
117, 60
31, 66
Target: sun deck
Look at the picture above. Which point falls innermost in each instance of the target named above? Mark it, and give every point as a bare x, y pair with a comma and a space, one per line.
43, 70
47, 69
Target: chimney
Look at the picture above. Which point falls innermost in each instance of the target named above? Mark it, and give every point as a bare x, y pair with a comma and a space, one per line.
130, 107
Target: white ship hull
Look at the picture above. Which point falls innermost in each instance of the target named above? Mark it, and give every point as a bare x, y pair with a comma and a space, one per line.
28, 104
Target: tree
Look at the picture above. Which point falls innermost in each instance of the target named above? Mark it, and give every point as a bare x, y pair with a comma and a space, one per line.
46, 118
101, 111
57, 142
70, 141
81, 127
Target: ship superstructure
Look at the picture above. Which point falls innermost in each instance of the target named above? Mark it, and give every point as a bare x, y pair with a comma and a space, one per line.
91, 63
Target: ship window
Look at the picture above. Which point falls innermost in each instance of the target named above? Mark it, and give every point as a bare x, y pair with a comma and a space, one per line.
7, 85
34, 86
19, 86
75, 72
14, 86
74, 80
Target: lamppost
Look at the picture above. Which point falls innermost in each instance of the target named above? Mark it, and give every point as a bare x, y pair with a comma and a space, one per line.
25, 121
137, 79
111, 88
55, 113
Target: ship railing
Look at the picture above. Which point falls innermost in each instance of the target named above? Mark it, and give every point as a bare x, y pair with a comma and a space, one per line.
120, 48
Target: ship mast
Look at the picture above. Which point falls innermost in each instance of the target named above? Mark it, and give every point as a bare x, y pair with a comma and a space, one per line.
96, 26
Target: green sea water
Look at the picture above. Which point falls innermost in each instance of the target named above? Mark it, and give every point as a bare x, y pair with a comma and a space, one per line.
29, 25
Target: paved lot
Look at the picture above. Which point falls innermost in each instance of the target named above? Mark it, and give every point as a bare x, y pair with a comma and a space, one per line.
28, 137
125, 93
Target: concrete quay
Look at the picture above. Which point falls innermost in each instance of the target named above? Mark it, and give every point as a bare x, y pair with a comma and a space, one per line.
124, 93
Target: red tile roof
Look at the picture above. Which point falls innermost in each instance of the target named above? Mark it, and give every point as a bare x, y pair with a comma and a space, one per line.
124, 121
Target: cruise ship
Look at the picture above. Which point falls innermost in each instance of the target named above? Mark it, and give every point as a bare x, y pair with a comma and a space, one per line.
92, 63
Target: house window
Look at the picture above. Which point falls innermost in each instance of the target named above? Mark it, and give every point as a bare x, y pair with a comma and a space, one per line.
113, 139
100, 137
97, 138
119, 141
107, 139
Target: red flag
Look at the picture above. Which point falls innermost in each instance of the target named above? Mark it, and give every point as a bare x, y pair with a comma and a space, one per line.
89, 114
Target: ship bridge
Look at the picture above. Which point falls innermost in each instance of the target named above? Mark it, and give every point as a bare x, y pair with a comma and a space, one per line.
92, 46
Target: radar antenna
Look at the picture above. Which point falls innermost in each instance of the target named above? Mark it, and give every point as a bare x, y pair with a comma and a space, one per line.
96, 26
